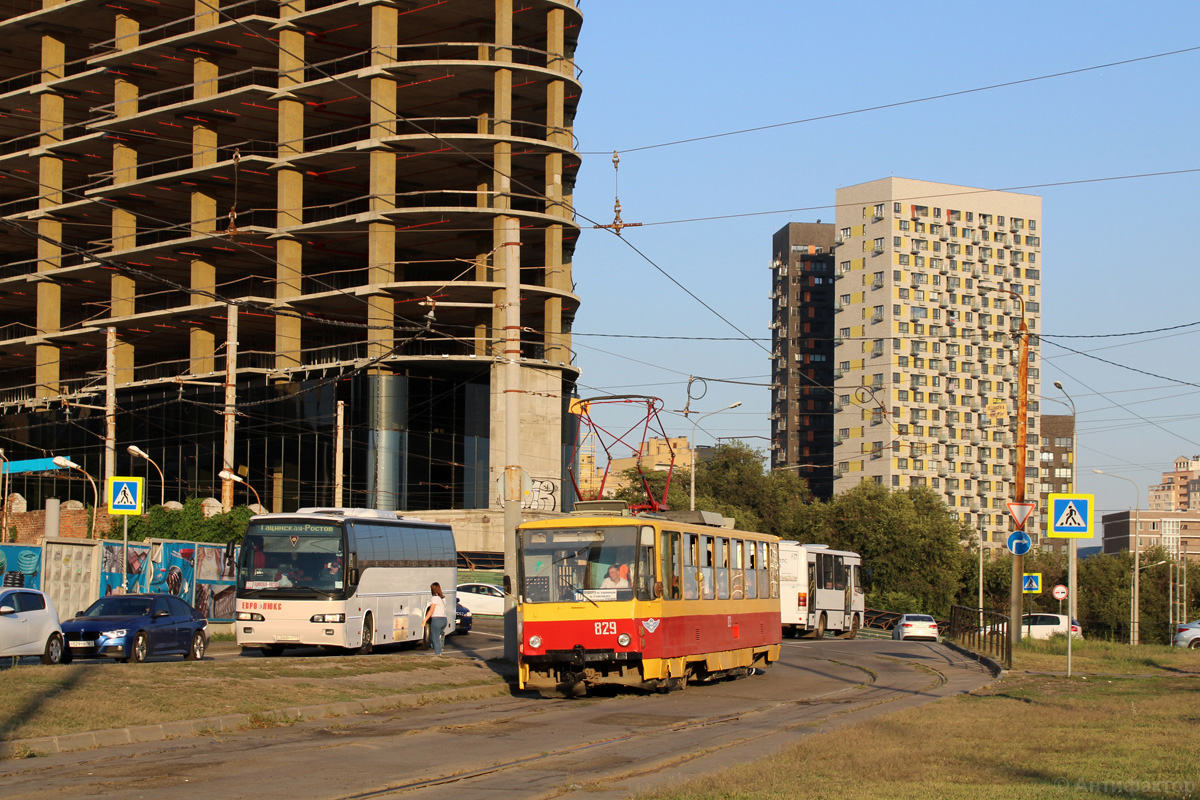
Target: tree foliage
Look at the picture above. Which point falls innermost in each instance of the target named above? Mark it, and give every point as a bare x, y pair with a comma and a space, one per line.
187, 524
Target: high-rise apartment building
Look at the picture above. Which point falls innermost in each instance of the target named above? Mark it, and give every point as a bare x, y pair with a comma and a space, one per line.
326, 198
931, 282
1056, 469
802, 292
1173, 494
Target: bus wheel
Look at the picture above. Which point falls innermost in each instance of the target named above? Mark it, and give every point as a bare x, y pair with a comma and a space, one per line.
272, 650
820, 632
368, 636
426, 641
853, 628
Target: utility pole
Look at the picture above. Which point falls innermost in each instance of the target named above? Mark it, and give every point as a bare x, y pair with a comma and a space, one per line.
510, 250
231, 335
1014, 626
339, 443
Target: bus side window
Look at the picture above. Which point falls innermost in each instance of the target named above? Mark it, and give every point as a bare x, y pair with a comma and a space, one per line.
839, 573
857, 574
751, 580
737, 584
669, 553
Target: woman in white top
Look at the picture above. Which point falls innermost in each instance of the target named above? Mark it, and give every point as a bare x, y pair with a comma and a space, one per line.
435, 617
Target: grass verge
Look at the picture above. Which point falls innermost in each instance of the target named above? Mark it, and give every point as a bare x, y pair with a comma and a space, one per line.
1037, 736
36, 700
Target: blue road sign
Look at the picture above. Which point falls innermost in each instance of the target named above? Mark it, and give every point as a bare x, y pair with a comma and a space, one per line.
1019, 543
125, 496
1071, 516
1031, 583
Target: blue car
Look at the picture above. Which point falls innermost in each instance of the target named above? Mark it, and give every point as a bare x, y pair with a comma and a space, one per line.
136, 626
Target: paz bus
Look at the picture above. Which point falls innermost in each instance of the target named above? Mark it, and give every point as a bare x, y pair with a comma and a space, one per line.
820, 590
647, 600
340, 577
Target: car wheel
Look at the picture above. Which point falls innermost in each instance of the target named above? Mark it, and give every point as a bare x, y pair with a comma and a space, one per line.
1195, 644
196, 651
56, 652
272, 650
368, 637
141, 647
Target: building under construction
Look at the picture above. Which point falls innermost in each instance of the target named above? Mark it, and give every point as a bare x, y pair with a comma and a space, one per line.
309, 202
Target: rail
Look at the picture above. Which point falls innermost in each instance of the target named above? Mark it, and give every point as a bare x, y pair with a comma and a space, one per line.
984, 632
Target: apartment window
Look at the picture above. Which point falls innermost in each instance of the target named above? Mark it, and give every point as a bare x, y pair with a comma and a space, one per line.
902, 327
904, 260
844, 299
904, 294
844, 266
904, 224
844, 365
898, 208
878, 246
1062, 472
844, 332
897, 241
844, 233
879, 211
1062, 441
970, 216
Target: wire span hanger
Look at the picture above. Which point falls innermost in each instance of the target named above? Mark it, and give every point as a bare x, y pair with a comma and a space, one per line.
617, 224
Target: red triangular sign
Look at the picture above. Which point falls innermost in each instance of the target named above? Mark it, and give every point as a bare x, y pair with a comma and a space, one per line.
1020, 512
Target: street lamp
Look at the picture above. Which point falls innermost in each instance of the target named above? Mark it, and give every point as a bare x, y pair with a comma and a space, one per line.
1073, 546
5, 480
227, 475
134, 450
62, 462
1135, 599
1018, 570
693, 447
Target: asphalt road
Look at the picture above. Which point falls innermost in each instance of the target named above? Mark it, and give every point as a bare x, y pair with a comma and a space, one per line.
522, 746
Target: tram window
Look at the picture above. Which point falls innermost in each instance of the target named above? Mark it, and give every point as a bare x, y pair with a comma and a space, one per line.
751, 580
670, 565
706, 567
774, 549
691, 587
736, 578
721, 551
644, 573
764, 576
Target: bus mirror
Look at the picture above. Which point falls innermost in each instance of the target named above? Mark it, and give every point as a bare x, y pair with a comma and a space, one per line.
658, 589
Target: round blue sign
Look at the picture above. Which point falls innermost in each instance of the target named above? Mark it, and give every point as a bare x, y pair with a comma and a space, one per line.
1019, 543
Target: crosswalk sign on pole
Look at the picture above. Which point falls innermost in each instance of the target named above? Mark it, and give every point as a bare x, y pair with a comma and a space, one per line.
1071, 516
125, 496
1031, 583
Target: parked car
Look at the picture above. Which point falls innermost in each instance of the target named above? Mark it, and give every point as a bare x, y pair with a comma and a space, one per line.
29, 626
1043, 626
915, 626
137, 626
482, 598
1187, 634
463, 619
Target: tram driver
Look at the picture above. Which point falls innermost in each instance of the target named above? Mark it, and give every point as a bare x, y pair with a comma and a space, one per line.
616, 578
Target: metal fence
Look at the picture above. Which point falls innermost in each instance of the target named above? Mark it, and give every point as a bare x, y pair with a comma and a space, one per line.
984, 632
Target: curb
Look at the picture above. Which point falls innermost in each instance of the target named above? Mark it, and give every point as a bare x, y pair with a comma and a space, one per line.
164, 731
992, 666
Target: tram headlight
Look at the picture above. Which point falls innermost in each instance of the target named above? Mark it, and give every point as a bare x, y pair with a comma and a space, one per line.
249, 616
327, 618
535, 641
624, 640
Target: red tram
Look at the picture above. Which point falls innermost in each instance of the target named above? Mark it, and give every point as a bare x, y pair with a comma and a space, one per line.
649, 600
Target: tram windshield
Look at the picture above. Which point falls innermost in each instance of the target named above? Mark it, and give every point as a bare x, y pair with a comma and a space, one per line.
596, 564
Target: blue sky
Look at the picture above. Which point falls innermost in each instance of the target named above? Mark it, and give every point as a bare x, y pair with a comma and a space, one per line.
1118, 255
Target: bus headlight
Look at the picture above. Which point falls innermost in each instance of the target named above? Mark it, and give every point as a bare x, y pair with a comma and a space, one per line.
624, 640
535, 641
327, 618
249, 616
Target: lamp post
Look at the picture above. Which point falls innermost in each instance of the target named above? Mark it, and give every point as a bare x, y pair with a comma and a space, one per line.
1136, 596
62, 462
1018, 570
4, 481
692, 444
227, 475
134, 450
1073, 547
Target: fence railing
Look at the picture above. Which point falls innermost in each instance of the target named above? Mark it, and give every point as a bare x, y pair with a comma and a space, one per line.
985, 632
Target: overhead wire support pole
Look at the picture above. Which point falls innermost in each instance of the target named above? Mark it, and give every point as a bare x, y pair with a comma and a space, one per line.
110, 404
510, 250
230, 410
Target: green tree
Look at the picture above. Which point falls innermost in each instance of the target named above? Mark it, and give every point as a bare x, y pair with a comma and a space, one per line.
187, 524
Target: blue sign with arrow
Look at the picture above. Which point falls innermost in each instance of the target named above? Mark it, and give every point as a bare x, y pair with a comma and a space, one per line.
1019, 543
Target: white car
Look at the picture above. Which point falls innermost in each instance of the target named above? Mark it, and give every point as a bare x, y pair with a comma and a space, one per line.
482, 598
29, 626
1043, 626
915, 626
1187, 634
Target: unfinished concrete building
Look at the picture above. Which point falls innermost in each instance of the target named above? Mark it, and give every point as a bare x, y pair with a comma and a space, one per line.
318, 190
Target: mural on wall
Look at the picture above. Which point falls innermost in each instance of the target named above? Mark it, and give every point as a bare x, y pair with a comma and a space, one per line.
214, 573
135, 568
21, 565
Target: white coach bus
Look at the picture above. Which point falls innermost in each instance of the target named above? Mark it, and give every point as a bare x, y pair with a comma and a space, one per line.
820, 590
340, 577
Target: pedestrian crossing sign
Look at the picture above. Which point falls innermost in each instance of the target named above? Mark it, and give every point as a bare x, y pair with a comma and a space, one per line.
125, 496
1031, 583
1071, 516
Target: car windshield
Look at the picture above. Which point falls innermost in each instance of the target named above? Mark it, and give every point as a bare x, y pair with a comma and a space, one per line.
292, 558
117, 606
578, 564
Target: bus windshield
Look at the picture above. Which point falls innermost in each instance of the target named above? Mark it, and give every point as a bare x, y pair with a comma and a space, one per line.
566, 565
292, 558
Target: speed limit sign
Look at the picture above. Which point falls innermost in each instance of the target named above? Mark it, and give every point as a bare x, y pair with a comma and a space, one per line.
1059, 592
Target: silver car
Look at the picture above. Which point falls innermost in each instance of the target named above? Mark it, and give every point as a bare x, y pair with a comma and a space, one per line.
1187, 634
29, 626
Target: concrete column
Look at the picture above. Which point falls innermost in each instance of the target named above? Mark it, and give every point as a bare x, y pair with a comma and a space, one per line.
124, 223
289, 188
557, 273
50, 176
501, 151
202, 342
